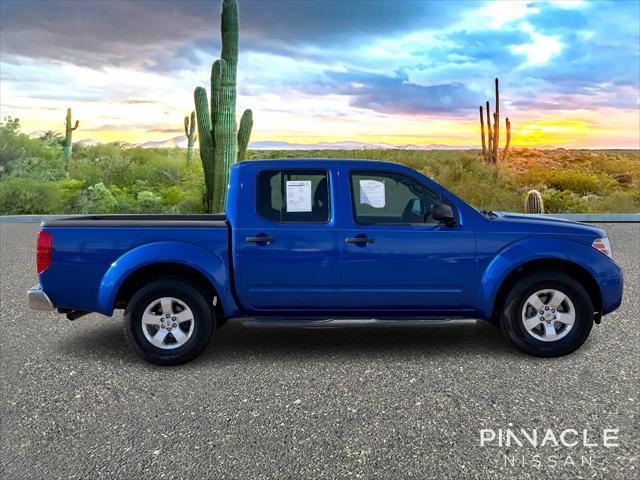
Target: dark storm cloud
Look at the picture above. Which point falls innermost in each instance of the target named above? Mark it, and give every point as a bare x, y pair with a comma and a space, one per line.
395, 94
126, 32
94, 33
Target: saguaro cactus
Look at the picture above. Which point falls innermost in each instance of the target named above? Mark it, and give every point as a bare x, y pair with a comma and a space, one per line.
484, 144
190, 132
491, 147
68, 132
220, 141
533, 202
505, 152
244, 132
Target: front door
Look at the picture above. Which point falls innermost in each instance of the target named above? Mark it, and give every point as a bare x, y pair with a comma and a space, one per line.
288, 252
395, 255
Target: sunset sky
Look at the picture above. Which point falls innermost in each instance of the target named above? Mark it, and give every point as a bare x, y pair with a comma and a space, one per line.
397, 72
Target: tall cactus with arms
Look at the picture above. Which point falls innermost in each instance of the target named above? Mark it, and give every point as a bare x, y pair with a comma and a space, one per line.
491, 146
220, 141
68, 132
190, 132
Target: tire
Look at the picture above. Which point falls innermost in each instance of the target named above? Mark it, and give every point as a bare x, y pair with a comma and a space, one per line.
548, 332
176, 339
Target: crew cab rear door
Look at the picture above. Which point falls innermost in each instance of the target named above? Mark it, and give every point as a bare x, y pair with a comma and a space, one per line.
395, 255
287, 252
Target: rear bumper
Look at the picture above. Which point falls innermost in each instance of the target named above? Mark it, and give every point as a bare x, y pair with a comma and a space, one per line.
38, 300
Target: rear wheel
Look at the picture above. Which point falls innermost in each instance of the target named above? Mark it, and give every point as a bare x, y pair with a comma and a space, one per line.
547, 314
169, 322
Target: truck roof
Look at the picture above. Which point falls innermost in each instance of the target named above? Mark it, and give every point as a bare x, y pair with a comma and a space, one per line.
317, 162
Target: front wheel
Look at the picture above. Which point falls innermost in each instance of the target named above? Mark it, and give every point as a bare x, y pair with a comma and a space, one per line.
547, 314
169, 322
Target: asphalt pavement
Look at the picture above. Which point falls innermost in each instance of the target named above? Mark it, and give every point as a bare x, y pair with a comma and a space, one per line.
386, 402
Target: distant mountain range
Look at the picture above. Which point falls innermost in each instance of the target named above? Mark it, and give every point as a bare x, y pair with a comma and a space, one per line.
352, 145
181, 142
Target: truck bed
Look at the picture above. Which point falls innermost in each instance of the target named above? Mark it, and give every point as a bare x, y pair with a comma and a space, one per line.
86, 248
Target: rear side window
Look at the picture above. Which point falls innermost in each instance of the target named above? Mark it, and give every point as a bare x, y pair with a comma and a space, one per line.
386, 198
293, 196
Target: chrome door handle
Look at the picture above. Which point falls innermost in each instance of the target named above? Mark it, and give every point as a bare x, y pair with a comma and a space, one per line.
259, 239
359, 240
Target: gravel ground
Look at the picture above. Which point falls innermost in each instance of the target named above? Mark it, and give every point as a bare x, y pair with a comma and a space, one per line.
388, 402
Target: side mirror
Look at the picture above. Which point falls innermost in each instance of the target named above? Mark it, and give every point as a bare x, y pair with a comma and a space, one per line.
443, 213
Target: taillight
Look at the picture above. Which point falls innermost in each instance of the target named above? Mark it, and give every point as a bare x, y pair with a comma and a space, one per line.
43, 251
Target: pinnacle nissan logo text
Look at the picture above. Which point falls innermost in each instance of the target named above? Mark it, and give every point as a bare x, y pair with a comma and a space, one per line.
571, 438
568, 437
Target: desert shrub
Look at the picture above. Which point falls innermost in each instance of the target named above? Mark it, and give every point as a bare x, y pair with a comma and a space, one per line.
125, 198
46, 164
618, 202
160, 170
116, 165
98, 199
68, 195
556, 201
576, 181
618, 164
105, 164
173, 195
22, 196
481, 185
12, 144
148, 202
23, 156
128, 179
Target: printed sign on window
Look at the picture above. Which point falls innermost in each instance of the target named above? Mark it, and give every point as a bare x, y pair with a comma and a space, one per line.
372, 193
299, 196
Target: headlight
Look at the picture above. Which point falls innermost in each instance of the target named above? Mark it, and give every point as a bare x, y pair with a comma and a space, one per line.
603, 245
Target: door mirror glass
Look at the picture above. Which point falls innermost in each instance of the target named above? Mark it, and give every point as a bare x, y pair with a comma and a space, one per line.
442, 213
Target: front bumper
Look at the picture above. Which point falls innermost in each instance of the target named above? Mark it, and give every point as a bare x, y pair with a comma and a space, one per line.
38, 300
612, 290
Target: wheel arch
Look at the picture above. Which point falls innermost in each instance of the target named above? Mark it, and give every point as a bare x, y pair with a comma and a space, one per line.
166, 259
576, 271
169, 270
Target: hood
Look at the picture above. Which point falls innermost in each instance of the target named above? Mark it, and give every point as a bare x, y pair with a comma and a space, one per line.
545, 224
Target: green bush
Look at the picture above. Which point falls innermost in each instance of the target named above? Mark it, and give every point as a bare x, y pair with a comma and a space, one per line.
69, 195
556, 201
105, 164
25, 196
45, 165
98, 199
576, 181
618, 202
23, 156
148, 202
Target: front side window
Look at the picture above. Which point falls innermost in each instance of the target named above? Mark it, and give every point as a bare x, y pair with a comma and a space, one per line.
386, 198
293, 196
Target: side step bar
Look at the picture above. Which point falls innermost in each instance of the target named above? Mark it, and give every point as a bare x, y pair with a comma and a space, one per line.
351, 322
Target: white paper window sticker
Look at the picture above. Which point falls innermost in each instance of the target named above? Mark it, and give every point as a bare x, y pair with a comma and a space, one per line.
299, 196
372, 193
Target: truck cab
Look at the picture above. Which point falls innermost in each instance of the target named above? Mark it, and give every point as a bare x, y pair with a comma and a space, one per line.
348, 237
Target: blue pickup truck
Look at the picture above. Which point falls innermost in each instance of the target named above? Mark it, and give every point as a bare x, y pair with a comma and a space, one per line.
318, 242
